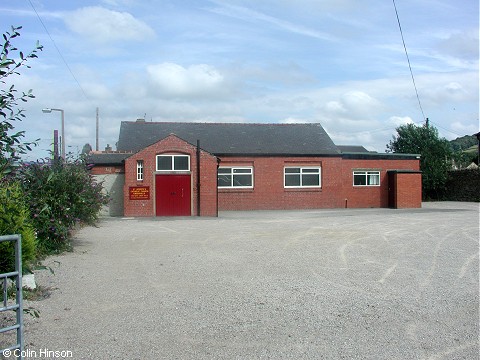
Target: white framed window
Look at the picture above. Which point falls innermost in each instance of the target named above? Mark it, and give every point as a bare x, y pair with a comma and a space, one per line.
235, 177
140, 170
295, 177
173, 163
366, 178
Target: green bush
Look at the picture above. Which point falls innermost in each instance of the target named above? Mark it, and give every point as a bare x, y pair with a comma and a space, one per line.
60, 196
463, 185
15, 219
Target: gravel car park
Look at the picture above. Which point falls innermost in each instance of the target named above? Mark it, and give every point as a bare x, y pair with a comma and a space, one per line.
310, 284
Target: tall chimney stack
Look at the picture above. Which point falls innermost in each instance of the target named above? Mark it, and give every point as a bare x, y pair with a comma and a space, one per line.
96, 134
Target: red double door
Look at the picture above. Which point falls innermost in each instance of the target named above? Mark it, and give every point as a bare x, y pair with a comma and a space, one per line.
173, 195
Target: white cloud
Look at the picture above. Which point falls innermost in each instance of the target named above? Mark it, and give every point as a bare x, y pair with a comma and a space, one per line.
352, 105
97, 91
31, 13
103, 25
315, 7
118, 3
293, 120
276, 73
461, 128
462, 44
244, 13
175, 80
440, 93
400, 120
77, 131
360, 102
335, 107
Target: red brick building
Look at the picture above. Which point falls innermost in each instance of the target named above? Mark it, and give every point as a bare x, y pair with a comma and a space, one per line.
188, 169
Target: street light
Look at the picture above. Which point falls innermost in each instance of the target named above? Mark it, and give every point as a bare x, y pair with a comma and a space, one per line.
48, 111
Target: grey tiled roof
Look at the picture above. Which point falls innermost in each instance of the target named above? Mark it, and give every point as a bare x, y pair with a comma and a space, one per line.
232, 138
107, 158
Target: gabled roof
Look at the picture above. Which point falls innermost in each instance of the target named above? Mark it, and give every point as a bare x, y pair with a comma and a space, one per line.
232, 138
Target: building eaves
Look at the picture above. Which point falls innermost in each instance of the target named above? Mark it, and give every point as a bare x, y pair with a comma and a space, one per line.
379, 156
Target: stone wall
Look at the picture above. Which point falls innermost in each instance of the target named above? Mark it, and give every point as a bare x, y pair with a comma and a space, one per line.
113, 186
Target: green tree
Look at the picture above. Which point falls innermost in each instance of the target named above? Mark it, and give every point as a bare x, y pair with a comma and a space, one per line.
86, 149
436, 154
11, 60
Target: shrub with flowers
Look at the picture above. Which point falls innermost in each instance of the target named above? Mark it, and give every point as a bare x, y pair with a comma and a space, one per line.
60, 196
52, 198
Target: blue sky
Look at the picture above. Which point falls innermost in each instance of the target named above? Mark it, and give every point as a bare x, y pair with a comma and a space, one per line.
337, 62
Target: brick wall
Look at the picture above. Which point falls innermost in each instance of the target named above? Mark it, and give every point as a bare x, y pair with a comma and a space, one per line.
408, 190
171, 145
371, 196
107, 169
337, 189
208, 185
268, 192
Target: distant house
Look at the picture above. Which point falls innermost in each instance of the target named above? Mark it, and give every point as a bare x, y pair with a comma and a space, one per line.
188, 169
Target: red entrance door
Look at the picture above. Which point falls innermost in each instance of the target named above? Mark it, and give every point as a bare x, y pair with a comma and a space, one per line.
172, 195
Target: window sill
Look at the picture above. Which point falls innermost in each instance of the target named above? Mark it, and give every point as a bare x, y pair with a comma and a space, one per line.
239, 190
303, 189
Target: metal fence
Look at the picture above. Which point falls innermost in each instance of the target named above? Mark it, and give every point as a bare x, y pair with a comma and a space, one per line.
16, 304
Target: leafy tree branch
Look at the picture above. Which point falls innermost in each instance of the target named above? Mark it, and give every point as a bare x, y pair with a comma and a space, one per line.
11, 144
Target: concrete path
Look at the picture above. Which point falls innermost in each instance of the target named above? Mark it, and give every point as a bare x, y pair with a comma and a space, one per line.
319, 284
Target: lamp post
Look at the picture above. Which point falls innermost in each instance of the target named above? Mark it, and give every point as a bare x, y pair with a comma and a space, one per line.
47, 111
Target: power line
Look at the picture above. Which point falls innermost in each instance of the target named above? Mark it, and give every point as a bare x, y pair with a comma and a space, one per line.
450, 131
59, 52
369, 132
408, 59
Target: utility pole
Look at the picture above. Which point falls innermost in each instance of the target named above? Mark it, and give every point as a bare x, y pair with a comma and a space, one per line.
55, 146
96, 132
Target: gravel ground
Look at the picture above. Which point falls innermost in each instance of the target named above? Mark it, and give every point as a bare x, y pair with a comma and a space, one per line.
319, 284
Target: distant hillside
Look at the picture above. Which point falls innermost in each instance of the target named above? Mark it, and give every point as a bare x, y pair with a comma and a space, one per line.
464, 142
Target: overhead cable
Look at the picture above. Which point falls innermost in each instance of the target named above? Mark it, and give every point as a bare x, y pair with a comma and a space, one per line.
408, 60
59, 52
